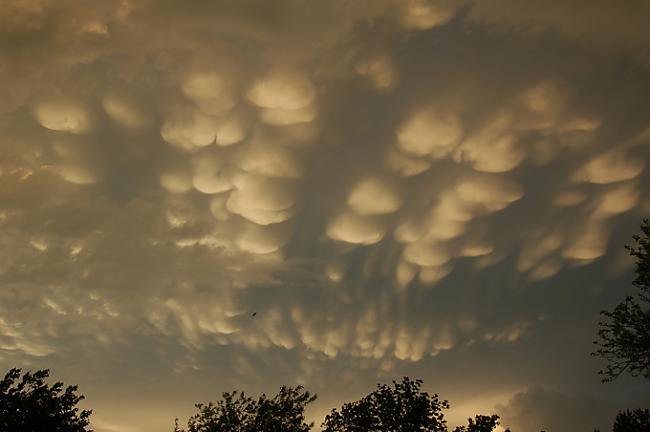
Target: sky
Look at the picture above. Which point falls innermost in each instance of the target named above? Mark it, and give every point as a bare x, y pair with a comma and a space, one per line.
434, 189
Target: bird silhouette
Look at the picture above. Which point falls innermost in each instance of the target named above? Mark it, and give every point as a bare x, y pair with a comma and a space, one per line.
253, 314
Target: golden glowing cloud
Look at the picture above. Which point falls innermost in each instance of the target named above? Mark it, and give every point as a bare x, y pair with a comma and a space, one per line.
211, 91
63, 114
610, 167
190, 130
265, 158
357, 229
428, 133
282, 89
374, 195
209, 175
258, 239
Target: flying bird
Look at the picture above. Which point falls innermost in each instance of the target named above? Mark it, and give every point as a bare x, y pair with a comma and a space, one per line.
253, 314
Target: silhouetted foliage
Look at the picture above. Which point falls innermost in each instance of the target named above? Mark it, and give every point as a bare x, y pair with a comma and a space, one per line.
30, 405
401, 408
625, 336
481, 423
239, 413
632, 421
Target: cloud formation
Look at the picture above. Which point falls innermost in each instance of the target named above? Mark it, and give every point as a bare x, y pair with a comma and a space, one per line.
389, 185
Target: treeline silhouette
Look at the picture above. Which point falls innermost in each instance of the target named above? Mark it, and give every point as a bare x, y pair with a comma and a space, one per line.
401, 407
29, 404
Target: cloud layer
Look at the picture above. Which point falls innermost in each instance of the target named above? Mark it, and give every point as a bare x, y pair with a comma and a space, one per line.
393, 186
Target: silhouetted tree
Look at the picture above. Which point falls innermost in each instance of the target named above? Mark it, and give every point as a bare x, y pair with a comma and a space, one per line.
30, 405
481, 423
239, 413
401, 408
625, 336
632, 421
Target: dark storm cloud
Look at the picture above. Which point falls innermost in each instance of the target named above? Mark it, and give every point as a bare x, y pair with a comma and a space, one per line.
552, 410
431, 188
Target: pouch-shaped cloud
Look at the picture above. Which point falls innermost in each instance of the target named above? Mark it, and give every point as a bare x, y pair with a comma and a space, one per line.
257, 192
410, 229
427, 253
125, 110
230, 130
209, 176
266, 158
63, 114
618, 200
189, 130
412, 345
282, 89
492, 154
374, 195
262, 200
609, 167
443, 227
404, 165
212, 92
492, 148
588, 242
426, 14
429, 133
176, 180
476, 249
258, 239
546, 269
488, 193
451, 206
353, 228
445, 220
211, 183
261, 217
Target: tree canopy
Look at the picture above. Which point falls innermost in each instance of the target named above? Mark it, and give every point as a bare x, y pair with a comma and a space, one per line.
480, 423
29, 404
237, 412
632, 421
400, 408
625, 335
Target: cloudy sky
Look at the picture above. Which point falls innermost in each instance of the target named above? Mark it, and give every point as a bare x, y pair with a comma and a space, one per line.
438, 189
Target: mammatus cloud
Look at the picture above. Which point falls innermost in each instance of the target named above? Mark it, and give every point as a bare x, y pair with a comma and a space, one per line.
388, 185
